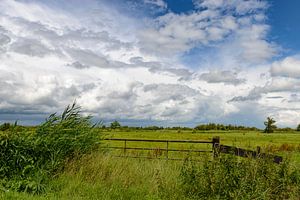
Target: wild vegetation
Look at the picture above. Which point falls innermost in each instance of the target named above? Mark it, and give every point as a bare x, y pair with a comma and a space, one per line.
63, 159
228, 177
29, 159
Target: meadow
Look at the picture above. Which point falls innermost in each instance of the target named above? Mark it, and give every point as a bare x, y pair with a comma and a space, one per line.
286, 144
64, 158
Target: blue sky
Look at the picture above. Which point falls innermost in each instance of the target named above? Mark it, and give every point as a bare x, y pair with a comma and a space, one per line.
164, 62
284, 19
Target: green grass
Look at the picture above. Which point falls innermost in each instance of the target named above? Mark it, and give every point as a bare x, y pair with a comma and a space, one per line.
99, 175
246, 139
285, 144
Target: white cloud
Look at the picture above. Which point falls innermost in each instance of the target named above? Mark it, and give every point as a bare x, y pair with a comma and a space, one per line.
226, 77
242, 29
288, 67
239, 7
118, 66
159, 3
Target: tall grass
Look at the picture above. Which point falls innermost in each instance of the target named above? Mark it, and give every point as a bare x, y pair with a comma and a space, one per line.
28, 160
98, 175
229, 177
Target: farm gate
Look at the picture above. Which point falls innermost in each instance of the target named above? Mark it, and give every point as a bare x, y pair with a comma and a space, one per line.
216, 148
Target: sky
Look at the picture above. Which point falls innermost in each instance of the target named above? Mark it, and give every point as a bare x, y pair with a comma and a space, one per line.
151, 62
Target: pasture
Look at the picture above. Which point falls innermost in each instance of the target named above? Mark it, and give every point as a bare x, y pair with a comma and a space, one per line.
286, 144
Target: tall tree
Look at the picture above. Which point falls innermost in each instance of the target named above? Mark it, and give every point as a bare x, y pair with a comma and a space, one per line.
115, 124
298, 128
270, 125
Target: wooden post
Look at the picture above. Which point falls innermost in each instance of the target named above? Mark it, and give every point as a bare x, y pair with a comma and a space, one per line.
258, 151
125, 142
167, 150
215, 146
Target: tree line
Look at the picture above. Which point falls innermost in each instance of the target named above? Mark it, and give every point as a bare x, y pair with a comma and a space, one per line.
270, 127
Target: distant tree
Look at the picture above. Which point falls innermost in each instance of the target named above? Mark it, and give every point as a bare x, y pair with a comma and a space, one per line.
115, 124
270, 125
298, 128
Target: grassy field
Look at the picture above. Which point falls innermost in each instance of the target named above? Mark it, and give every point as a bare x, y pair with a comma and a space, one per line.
99, 175
286, 144
247, 139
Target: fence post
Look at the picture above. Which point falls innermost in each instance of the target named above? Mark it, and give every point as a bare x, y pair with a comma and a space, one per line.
125, 141
215, 146
258, 151
167, 150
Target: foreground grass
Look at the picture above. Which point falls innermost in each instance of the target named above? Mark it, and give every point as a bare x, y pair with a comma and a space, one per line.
100, 176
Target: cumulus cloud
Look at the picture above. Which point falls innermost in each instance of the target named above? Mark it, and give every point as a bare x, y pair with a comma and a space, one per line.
163, 68
119, 66
288, 67
276, 85
242, 29
4, 39
30, 47
226, 77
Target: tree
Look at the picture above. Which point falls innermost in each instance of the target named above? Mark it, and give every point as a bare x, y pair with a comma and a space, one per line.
270, 125
298, 128
115, 124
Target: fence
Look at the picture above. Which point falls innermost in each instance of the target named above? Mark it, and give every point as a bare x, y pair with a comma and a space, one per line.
216, 148
166, 149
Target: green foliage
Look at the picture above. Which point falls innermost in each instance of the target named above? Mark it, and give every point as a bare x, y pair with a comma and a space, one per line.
298, 127
4, 126
229, 177
213, 126
28, 160
153, 128
270, 125
115, 124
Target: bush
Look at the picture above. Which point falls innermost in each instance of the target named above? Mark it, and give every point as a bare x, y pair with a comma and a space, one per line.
27, 160
230, 177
